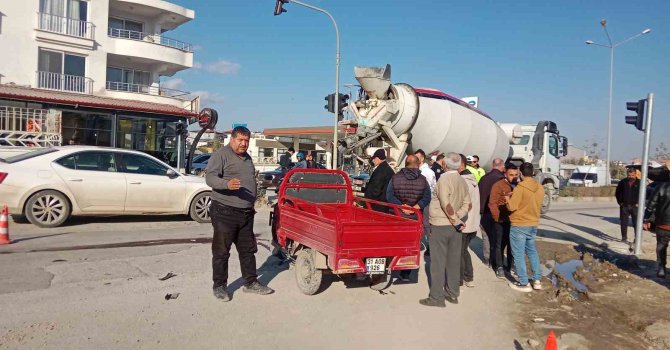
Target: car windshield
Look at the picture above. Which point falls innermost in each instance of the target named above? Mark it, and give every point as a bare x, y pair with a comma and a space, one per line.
584, 176
28, 155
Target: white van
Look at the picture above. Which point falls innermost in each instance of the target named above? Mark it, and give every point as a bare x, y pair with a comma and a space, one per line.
589, 176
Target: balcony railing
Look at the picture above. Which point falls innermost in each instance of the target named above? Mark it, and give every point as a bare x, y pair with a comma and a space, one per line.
27, 127
64, 82
64, 25
151, 38
149, 90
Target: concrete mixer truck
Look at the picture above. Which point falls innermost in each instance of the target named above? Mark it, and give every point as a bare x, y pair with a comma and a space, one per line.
401, 119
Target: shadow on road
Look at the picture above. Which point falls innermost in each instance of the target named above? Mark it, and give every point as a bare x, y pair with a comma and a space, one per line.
83, 220
612, 220
591, 231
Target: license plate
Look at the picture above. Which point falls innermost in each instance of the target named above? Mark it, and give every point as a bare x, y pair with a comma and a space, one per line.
375, 265
356, 188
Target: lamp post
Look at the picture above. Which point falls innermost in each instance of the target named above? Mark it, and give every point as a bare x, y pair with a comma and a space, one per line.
278, 11
611, 46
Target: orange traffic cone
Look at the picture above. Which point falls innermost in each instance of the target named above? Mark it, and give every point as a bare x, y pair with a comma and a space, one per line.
4, 226
551, 342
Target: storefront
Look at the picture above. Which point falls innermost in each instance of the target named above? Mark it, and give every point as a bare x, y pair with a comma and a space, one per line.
97, 121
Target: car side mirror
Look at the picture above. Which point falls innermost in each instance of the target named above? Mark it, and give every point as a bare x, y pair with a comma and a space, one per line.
171, 174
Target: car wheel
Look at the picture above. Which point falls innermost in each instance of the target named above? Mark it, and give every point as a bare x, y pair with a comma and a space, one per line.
47, 209
199, 210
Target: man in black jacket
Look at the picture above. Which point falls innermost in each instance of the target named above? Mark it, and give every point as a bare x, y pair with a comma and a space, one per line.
487, 222
658, 214
627, 195
285, 160
379, 180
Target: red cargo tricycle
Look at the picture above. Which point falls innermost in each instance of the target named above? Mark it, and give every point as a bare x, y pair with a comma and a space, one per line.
319, 224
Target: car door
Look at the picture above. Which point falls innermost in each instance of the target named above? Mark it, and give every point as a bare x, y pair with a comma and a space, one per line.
149, 188
94, 181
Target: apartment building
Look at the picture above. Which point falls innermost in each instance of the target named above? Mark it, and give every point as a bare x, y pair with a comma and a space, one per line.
89, 72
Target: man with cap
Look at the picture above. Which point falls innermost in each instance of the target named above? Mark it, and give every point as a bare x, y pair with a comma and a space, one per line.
474, 168
379, 180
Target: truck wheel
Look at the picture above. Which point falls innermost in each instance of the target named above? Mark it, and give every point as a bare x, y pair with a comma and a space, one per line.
380, 282
307, 275
546, 202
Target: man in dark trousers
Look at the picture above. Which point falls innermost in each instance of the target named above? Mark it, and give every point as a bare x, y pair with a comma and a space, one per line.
500, 213
485, 185
379, 180
627, 195
230, 174
410, 189
285, 160
658, 214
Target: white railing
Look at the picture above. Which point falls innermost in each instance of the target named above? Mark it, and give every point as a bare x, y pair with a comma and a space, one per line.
152, 38
149, 90
64, 82
28, 127
265, 160
64, 25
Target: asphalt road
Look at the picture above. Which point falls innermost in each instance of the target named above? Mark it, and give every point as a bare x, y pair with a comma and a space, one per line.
95, 284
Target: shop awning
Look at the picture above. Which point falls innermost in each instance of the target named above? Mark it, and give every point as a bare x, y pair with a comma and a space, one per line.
47, 96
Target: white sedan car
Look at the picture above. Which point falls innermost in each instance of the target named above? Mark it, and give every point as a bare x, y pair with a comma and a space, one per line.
49, 185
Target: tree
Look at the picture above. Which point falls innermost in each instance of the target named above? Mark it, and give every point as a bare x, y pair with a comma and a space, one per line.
662, 152
593, 149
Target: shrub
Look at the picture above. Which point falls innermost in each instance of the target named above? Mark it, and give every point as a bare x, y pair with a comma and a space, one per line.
605, 191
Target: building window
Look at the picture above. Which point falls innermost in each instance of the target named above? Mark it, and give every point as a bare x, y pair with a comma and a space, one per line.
62, 71
66, 17
126, 29
155, 137
125, 79
87, 129
71, 9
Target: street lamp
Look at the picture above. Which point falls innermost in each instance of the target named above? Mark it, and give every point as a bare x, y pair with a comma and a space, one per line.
279, 9
611, 46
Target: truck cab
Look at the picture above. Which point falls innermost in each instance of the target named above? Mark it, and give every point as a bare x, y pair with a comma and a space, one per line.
541, 145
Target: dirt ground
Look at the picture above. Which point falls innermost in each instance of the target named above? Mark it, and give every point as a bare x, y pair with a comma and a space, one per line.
611, 301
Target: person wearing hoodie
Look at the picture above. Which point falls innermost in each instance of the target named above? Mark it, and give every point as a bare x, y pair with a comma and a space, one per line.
500, 214
409, 188
524, 205
471, 225
487, 223
447, 213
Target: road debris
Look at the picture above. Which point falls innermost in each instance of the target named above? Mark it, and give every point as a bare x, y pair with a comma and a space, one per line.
171, 296
167, 277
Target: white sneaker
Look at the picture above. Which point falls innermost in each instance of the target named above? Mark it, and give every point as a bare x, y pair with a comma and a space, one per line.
521, 287
469, 284
537, 285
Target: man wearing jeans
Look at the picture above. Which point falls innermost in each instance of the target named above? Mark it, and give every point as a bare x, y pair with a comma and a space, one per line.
230, 174
524, 205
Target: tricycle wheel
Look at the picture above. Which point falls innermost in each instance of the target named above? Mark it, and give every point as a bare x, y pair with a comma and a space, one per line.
380, 282
307, 275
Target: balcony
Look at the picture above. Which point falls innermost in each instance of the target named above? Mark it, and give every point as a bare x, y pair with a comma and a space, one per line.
150, 38
67, 26
64, 82
148, 90
154, 94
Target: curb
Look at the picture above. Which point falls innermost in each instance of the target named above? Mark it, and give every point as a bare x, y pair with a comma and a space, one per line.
586, 199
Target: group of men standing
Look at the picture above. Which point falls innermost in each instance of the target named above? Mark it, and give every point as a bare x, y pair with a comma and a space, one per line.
457, 199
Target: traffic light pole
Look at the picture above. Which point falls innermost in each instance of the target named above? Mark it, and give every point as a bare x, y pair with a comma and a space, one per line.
643, 180
337, 69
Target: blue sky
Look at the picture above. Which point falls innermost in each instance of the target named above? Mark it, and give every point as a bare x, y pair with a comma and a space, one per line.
526, 60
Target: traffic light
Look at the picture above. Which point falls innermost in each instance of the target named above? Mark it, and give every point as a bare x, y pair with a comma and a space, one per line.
279, 7
330, 103
342, 103
638, 119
